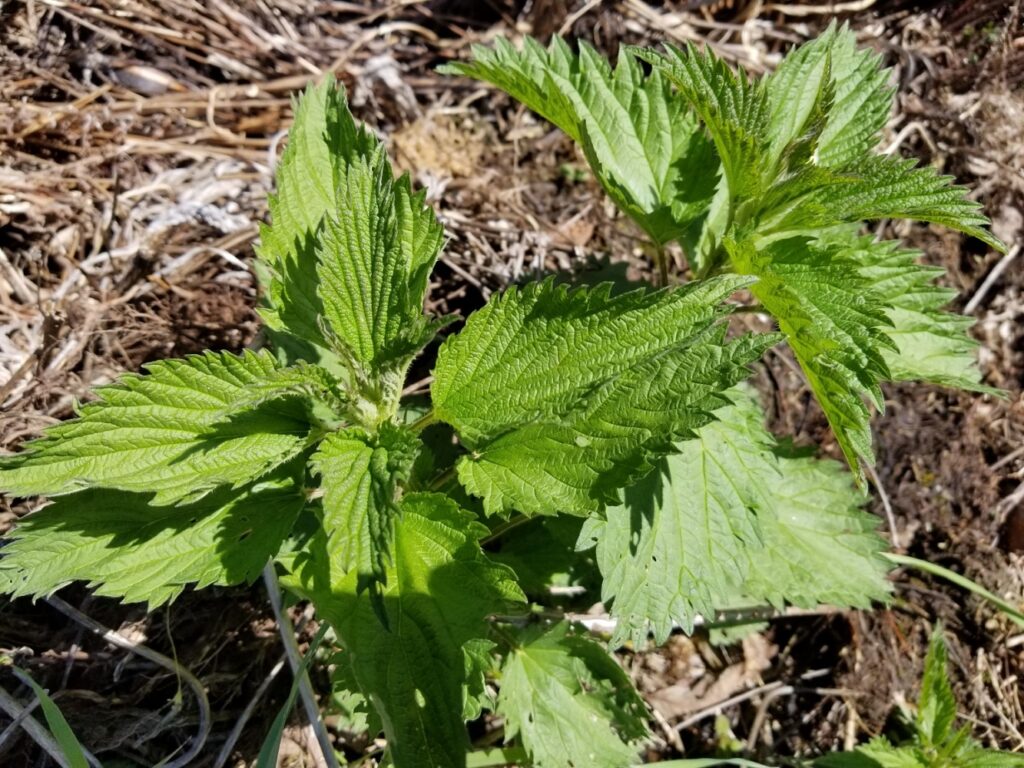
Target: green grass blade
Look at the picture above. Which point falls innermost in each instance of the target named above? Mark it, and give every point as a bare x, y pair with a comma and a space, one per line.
62, 733
1013, 613
272, 744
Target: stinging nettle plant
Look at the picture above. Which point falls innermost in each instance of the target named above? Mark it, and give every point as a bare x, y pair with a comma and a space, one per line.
564, 424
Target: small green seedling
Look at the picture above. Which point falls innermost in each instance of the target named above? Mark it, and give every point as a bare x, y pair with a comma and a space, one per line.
934, 742
563, 424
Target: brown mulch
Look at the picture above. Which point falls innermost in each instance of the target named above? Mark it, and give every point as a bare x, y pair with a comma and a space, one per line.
137, 146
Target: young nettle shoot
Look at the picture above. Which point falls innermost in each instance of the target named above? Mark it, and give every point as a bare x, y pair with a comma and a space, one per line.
564, 423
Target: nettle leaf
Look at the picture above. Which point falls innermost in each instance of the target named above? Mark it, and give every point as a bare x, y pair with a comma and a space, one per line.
733, 108
439, 589
354, 711
880, 187
497, 372
374, 256
562, 397
360, 474
173, 431
350, 248
931, 345
126, 548
569, 702
934, 743
795, 154
323, 138
312, 382
641, 141
578, 463
731, 519
835, 325
936, 709
860, 103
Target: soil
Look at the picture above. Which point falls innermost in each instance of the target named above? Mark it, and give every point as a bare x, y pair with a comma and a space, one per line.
138, 141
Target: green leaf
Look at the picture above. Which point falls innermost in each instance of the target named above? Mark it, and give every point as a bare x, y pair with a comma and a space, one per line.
733, 108
323, 137
879, 753
576, 464
354, 711
861, 101
349, 251
306, 380
936, 709
642, 143
374, 256
496, 373
881, 187
477, 694
126, 548
167, 432
569, 702
931, 345
439, 589
69, 744
857, 313
795, 146
360, 474
975, 757
798, 90
633, 371
834, 323
935, 743
732, 520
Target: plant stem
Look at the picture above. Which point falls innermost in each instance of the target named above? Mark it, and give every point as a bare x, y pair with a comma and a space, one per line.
504, 528
661, 259
749, 309
443, 479
291, 648
511, 641
1012, 612
423, 421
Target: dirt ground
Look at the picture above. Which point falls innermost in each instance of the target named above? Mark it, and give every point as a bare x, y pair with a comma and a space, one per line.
137, 144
